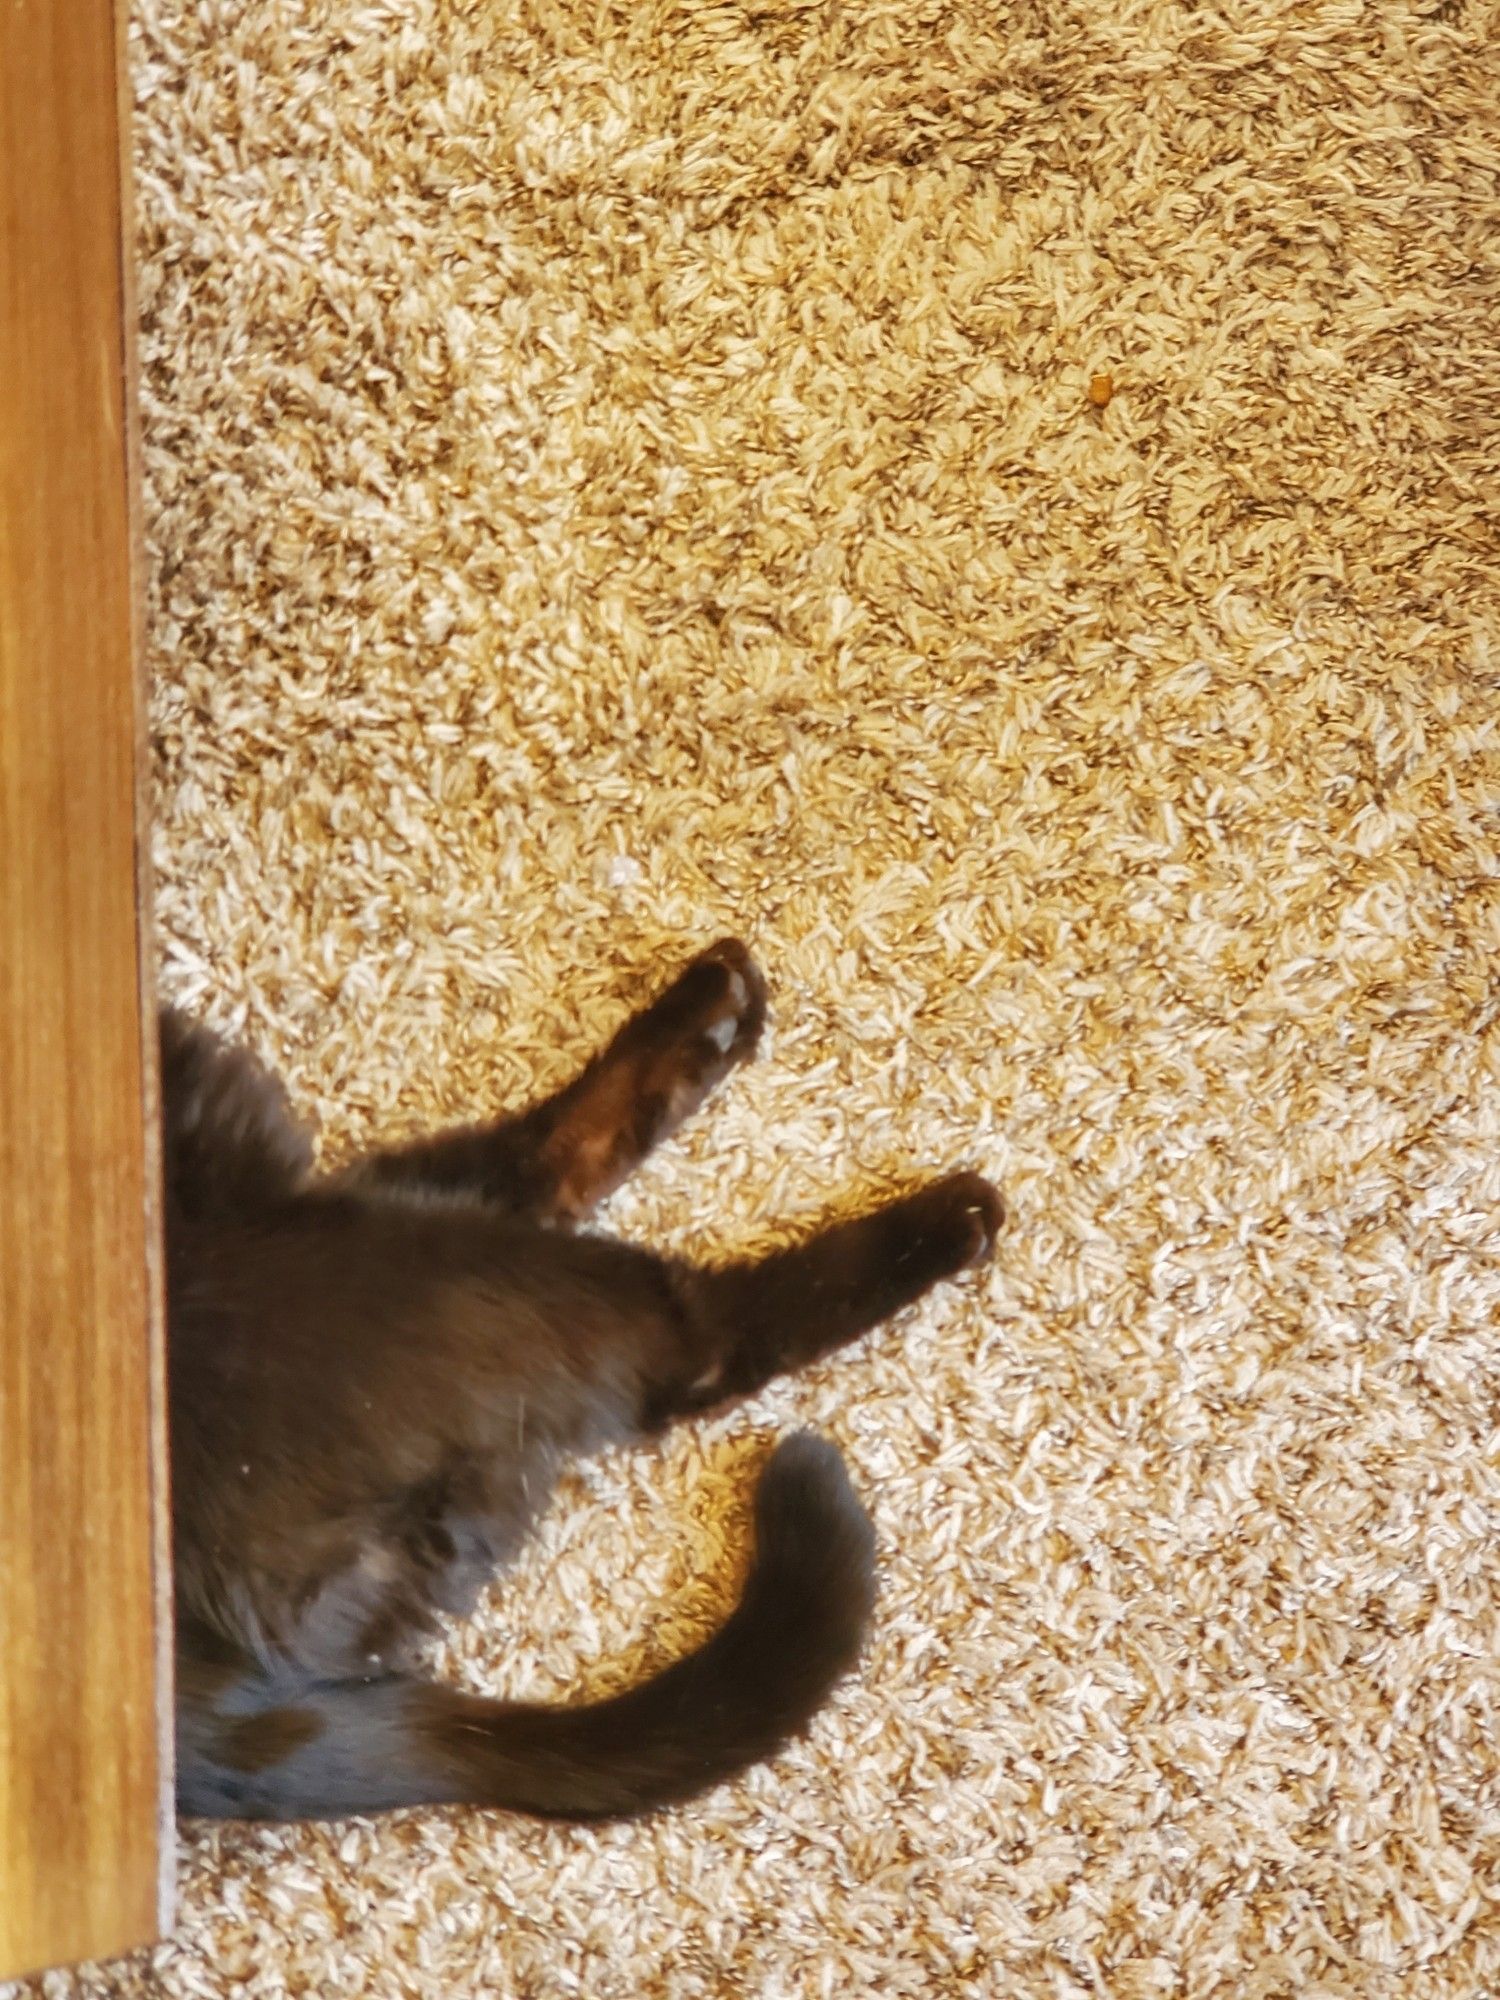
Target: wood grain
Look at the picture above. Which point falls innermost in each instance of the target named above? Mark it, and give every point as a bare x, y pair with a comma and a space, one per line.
84, 1764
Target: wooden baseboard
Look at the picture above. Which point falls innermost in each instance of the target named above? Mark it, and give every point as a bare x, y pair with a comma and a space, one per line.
85, 1741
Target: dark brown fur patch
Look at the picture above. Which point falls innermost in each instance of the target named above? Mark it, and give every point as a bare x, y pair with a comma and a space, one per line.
260, 1742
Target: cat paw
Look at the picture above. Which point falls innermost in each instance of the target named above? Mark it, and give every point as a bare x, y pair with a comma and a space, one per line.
719, 1001
953, 1223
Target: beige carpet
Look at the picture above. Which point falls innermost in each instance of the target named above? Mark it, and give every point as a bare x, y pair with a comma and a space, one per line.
995, 504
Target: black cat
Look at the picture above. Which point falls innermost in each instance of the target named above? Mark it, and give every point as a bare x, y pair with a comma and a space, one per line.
375, 1377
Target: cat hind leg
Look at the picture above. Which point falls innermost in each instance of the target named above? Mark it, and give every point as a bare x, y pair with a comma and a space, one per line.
558, 1160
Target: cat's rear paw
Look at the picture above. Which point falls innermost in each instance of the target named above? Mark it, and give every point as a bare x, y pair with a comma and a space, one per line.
742, 1010
709, 1019
720, 1000
956, 1221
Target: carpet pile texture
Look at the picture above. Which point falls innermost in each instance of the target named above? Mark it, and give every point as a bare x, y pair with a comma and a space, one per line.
995, 504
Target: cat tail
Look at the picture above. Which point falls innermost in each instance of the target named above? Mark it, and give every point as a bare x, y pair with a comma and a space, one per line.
366, 1746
